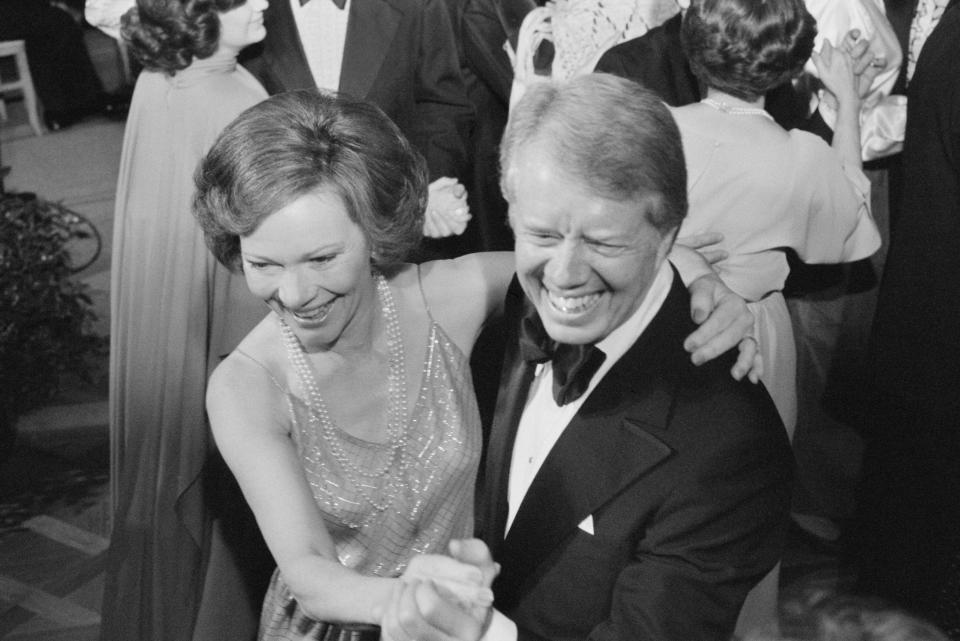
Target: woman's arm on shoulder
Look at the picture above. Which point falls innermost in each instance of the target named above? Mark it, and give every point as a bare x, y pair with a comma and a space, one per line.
463, 293
248, 416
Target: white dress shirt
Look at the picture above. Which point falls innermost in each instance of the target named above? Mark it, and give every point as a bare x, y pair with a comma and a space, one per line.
323, 32
543, 421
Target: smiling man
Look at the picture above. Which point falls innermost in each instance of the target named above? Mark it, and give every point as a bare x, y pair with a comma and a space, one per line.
628, 494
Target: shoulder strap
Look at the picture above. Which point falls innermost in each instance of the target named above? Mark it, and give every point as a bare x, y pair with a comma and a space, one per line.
423, 295
273, 378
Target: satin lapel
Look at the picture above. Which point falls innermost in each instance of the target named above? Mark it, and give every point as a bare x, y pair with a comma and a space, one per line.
515, 380
371, 28
609, 444
285, 53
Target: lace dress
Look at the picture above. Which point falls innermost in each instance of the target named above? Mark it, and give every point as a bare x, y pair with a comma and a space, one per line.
434, 479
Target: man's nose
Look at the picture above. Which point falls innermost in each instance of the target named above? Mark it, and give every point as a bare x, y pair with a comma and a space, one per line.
567, 267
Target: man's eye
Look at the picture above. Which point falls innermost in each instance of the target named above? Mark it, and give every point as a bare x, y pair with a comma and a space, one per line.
257, 264
320, 260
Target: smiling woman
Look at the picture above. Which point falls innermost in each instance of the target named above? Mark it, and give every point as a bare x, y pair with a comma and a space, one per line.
347, 415
174, 313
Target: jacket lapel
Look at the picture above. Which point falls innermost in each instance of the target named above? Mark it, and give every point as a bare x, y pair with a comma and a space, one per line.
371, 28
285, 54
515, 380
609, 444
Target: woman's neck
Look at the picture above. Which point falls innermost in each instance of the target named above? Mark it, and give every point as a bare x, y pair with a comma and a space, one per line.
731, 101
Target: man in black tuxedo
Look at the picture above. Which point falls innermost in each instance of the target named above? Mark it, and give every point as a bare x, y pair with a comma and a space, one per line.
398, 54
628, 494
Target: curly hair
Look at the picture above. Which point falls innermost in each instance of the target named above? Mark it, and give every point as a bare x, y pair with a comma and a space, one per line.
747, 47
297, 142
167, 35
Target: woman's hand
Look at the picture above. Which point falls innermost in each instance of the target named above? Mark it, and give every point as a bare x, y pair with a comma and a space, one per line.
725, 320
464, 583
836, 70
707, 244
447, 210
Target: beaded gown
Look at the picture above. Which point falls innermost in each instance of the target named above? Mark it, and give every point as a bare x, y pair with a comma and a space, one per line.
174, 311
426, 493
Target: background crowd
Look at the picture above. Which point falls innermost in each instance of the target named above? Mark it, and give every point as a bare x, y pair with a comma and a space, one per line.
774, 148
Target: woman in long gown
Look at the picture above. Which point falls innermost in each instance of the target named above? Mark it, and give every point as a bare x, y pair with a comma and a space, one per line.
767, 189
174, 311
764, 188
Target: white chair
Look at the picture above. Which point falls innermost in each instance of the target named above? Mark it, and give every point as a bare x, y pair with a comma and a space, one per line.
23, 84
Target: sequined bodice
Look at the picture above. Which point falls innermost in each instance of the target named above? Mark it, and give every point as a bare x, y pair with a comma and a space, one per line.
433, 481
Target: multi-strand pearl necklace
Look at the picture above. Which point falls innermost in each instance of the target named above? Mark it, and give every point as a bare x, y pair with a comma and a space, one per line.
733, 110
393, 472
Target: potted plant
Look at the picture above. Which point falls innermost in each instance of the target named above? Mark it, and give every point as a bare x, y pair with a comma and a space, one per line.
46, 315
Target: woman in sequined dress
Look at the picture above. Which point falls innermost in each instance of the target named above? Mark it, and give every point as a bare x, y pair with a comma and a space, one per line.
348, 414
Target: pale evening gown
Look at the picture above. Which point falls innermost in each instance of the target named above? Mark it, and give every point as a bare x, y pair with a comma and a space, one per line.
433, 505
174, 312
766, 189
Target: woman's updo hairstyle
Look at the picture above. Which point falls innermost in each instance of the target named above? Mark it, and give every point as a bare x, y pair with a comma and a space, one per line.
167, 35
747, 47
297, 142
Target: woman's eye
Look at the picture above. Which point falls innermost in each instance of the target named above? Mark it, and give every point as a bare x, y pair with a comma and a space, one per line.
255, 264
320, 260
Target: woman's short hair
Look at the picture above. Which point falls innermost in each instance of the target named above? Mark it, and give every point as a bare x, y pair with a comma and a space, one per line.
610, 132
747, 47
297, 142
167, 35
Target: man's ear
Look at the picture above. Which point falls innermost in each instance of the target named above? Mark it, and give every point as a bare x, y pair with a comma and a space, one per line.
666, 243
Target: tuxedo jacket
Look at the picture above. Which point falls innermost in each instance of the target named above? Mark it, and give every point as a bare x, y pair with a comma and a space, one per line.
685, 474
398, 54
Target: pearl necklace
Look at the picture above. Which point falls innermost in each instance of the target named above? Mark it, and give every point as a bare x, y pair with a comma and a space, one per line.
719, 105
394, 471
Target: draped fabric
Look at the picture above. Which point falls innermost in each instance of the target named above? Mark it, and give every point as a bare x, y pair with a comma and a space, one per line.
174, 312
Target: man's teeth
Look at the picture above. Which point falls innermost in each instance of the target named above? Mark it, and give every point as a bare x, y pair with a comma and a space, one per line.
573, 304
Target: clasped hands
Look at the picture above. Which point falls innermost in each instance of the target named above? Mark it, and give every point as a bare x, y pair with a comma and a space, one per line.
443, 598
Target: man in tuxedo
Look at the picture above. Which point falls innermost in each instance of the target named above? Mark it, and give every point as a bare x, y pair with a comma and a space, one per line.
628, 494
398, 54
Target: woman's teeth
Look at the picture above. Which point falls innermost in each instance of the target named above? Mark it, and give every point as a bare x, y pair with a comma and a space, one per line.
314, 315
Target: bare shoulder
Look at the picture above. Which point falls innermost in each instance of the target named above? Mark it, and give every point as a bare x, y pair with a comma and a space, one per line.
246, 388
467, 289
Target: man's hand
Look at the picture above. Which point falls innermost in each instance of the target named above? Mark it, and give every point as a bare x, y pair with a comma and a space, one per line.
725, 320
418, 611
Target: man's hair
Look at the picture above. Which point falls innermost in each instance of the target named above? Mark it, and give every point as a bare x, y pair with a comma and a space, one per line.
297, 142
747, 47
613, 134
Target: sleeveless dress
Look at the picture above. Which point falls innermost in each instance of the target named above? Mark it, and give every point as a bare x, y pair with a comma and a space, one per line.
174, 312
433, 505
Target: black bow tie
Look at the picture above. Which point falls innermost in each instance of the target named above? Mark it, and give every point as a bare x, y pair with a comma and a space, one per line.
340, 3
573, 365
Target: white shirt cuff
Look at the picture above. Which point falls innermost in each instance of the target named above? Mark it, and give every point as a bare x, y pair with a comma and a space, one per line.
501, 629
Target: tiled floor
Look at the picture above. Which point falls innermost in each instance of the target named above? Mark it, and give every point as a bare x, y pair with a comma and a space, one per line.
54, 522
